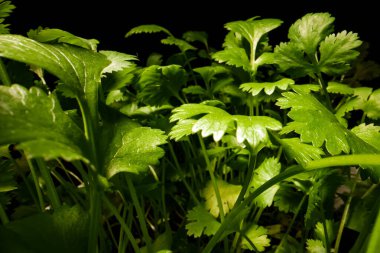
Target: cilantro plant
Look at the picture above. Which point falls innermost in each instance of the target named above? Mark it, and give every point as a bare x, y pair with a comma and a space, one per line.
251, 147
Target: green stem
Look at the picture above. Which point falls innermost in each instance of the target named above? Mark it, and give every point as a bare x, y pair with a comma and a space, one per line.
124, 226
344, 219
248, 176
325, 92
50, 188
3, 215
344, 160
140, 214
95, 207
4, 77
37, 185
213, 179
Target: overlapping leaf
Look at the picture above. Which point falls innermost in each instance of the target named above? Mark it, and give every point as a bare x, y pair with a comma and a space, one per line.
368, 133
6, 8
201, 222
36, 122
268, 87
79, 69
301, 152
258, 236
128, 147
268, 169
215, 121
160, 83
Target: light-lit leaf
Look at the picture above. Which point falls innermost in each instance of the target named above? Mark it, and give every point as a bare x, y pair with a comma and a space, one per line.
60, 36
269, 87
118, 61
340, 88
314, 122
315, 246
330, 228
36, 122
131, 148
208, 73
337, 51
234, 56
258, 236
368, 133
268, 169
194, 90
6, 8
228, 193
181, 44
372, 106
301, 152
149, 28
192, 36
308, 31
200, 222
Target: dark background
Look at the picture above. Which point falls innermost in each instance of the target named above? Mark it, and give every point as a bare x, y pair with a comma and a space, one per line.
109, 21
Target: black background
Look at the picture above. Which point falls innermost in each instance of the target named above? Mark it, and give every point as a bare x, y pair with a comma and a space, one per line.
108, 21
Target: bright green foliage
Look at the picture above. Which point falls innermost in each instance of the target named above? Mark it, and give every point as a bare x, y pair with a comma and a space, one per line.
119, 61
228, 193
369, 133
60, 36
6, 8
158, 84
255, 88
269, 168
372, 106
192, 36
310, 36
209, 73
320, 231
315, 246
314, 122
132, 148
63, 231
181, 44
201, 222
217, 121
258, 236
253, 31
299, 151
150, 28
37, 122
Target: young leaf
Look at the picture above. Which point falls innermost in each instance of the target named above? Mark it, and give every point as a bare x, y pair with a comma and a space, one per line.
119, 61
314, 122
268, 169
372, 106
192, 36
37, 123
308, 31
131, 148
201, 222
320, 231
216, 121
301, 152
228, 193
234, 56
160, 83
147, 29
181, 44
315, 246
258, 236
255, 88
337, 52
340, 88
60, 36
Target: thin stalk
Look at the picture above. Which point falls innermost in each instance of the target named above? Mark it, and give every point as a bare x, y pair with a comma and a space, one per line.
258, 215
4, 77
73, 193
124, 226
41, 201
122, 243
344, 160
179, 170
3, 215
213, 179
325, 92
344, 218
95, 216
292, 221
140, 214
50, 188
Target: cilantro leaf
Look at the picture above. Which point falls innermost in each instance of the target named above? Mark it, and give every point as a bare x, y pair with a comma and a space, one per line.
269, 87
181, 44
37, 123
6, 8
233, 56
215, 121
268, 169
372, 106
192, 36
119, 61
337, 52
159, 83
314, 122
149, 28
368, 133
129, 147
287, 199
228, 193
315, 246
201, 222
258, 236
301, 152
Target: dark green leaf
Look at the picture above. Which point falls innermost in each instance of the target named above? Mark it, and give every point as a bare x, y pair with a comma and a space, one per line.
255, 88
181, 44
147, 29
